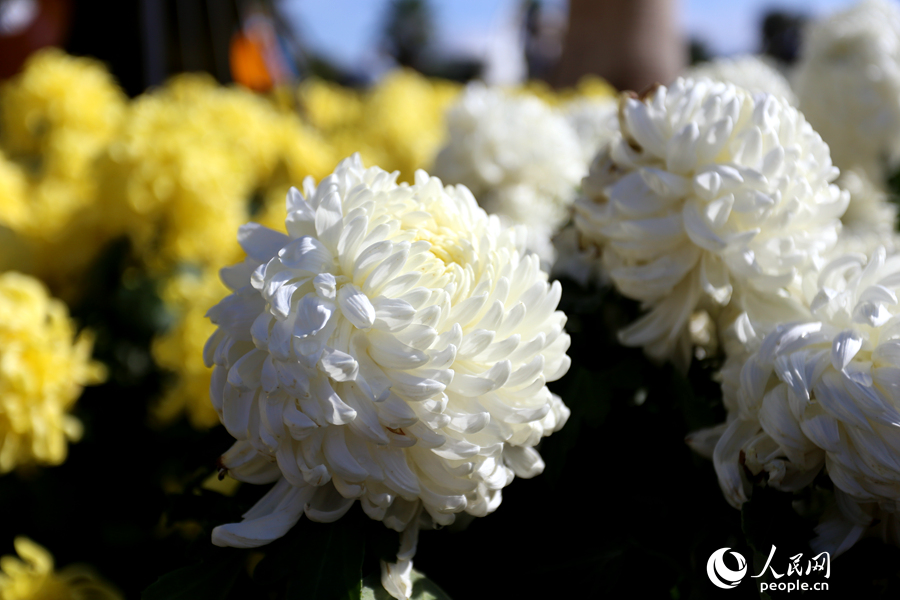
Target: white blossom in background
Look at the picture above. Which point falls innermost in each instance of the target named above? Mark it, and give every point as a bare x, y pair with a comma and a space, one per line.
518, 205
573, 261
594, 121
868, 223
756, 74
824, 393
870, 220
393, 348
518, 156
848, 84
739, 337
709, 195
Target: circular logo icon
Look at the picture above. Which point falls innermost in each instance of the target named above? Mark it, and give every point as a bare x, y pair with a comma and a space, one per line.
722, 576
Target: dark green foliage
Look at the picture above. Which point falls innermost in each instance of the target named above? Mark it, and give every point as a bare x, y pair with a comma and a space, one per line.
210, 579
316, 561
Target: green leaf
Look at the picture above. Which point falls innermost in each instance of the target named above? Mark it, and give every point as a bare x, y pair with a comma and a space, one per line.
423, 588
210, 579
373, 590
327, 561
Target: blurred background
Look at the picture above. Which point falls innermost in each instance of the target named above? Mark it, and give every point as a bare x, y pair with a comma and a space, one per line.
260, 43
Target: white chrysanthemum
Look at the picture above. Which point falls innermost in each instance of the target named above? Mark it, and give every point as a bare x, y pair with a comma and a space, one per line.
594, 121
848, 84
825, 392
517, 155
573, 261
870, 220
739, 338
868, 223
394, 348
707, 194
756, 74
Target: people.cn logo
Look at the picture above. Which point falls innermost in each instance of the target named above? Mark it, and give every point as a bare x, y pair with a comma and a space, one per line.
722, 576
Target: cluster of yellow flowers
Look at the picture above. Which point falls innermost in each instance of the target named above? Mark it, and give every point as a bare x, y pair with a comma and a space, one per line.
194, 149
56, 117
180, 350
31, 576
398, 124
588, 87
43, 367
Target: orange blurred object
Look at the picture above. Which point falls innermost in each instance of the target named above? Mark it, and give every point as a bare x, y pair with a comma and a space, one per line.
28, 25
256, 57
248, 65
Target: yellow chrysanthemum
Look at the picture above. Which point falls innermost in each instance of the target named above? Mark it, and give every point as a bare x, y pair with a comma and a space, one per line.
329, 106
30, 576
56, 91
591, 86
189, 296
13, 195
43, 367
405, 117
303, 153
588, 87
398, 124
539, 89
191, 150
56, 117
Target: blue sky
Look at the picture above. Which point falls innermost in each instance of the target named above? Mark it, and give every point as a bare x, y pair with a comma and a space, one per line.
347, 30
